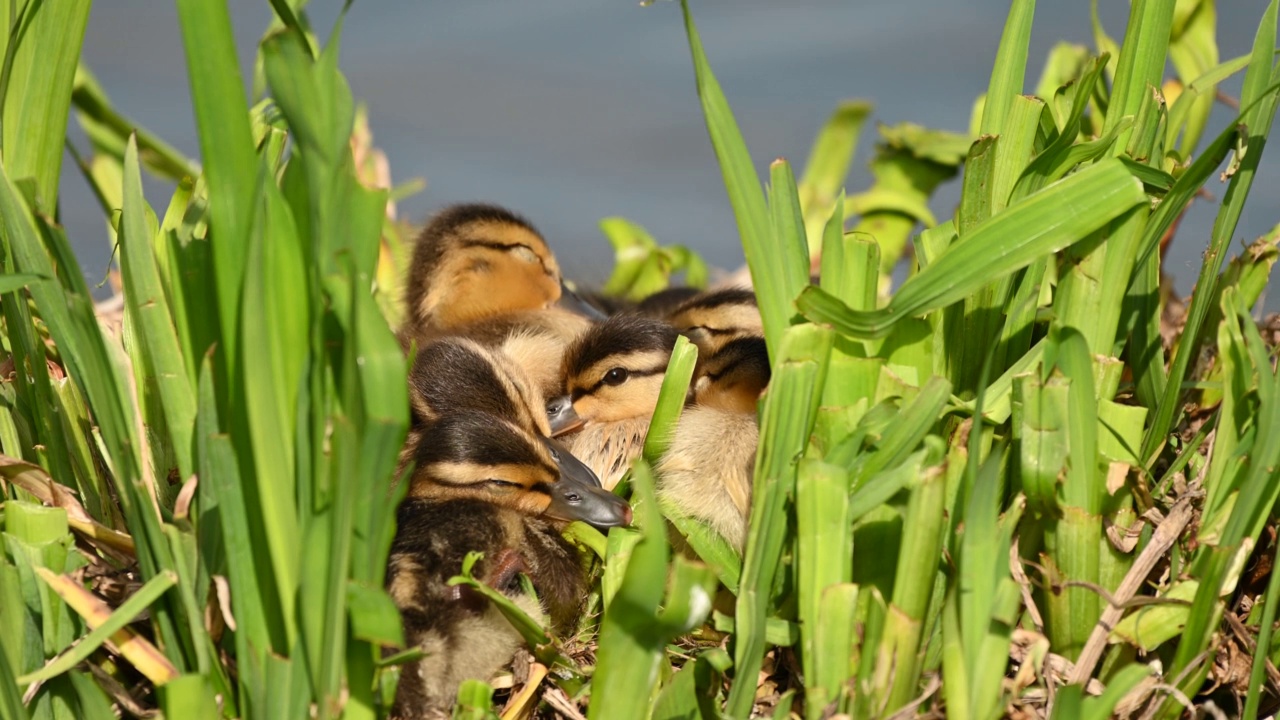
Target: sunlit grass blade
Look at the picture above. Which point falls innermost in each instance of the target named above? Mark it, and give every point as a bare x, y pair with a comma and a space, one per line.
122, 616
777, 264
671, 399
138, 650
1008, 75
1141, 62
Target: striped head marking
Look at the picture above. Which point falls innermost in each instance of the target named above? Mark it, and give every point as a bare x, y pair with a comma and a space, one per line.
614, 372
469, 454
474, 261
714, 318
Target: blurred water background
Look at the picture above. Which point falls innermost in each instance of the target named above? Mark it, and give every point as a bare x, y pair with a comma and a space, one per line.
572, 110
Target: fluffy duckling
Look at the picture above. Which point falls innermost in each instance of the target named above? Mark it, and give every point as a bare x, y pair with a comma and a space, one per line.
613, 375
482, 433
662, 303
707, 470
473, 262
716, 317
463, 635
485, 272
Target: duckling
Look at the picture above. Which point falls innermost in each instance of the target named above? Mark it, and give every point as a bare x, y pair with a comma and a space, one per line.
482, 432
662, 303
453, 373
463, 635
707, 470
613, 375
485, 272
713, 318
475, 261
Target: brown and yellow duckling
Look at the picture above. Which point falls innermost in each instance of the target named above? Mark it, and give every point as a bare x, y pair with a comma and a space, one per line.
473, 262
713, 318
613, 375
463, 635
482, 432
485, 272
707, 470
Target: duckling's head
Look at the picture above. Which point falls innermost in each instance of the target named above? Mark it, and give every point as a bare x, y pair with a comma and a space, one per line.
614, 371
733, 378
664, 302
469, 454
714, 318
456, 373
474, 261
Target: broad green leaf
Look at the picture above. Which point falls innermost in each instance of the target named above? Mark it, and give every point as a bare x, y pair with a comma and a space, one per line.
1042, 223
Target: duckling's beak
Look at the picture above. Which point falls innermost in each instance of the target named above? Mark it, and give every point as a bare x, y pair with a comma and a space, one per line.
578, 495
574, 302
561, 416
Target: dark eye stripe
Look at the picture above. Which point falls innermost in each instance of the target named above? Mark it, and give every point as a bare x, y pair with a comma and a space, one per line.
630, 374
507, 247
716, 331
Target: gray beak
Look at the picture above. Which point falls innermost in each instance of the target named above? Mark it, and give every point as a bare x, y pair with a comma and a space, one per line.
578, 495
561, 416
574, 302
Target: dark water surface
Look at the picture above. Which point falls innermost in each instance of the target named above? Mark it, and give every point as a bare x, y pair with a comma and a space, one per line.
573, 110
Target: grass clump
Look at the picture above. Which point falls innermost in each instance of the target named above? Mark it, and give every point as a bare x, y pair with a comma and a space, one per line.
1027, 482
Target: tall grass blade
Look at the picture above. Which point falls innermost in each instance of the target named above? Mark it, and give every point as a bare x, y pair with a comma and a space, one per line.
226, 146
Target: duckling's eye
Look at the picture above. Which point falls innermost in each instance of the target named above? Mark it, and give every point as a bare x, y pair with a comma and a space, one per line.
514, 585
616, 376
502, 486
524, 253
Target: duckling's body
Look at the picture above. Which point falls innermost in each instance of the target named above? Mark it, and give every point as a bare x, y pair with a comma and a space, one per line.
613, 375
707, 470
463, 635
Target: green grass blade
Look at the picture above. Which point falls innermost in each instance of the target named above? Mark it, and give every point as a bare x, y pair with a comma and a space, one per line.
35, 87
1259, 102
631, 643
226, 146
150, 309
1141, 63
1008, 76
769, 261
786, 422
671, 399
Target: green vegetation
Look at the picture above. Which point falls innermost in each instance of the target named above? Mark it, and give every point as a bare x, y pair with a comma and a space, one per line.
1022, 483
